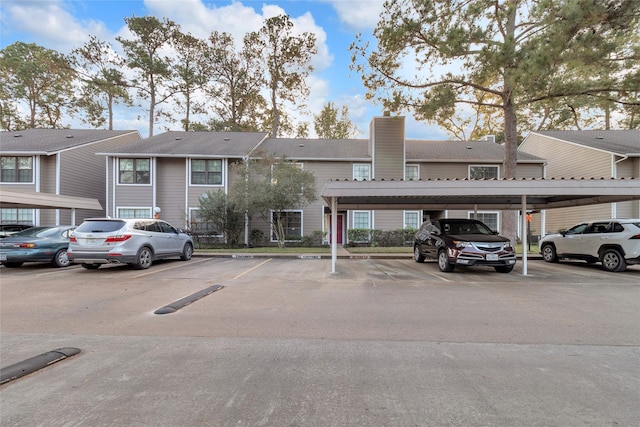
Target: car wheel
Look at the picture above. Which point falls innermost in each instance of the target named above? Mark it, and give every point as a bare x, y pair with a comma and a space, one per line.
417, 256
91, 266
61, 259
12, 264
612, 260
144, 259
187, 252
443, 262
549, 253
504, 268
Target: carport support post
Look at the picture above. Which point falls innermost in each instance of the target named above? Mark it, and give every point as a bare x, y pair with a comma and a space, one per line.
334, 233
524, 235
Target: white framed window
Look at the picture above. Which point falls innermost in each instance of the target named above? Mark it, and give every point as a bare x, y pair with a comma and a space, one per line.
291, 223
16, 169
129, 212
412, 219
15, 215
134, 171
206, 172
490, 218
412, 172
361, 219
484, 172
361, 172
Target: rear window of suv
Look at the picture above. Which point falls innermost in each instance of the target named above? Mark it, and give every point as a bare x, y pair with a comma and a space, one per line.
100, 226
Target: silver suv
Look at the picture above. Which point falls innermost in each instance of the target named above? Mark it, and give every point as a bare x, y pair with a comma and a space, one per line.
613, 242
138, 242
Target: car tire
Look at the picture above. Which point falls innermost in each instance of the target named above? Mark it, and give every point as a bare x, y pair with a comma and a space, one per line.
504, 268
144, 259
187, 252
91, 266
61, 259
12, 264
443, 262
612, 260
549, 253
417, 256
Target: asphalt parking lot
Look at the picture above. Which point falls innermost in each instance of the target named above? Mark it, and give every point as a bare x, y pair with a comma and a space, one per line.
384, 342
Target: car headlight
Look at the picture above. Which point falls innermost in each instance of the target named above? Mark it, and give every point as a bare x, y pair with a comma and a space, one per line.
462, 244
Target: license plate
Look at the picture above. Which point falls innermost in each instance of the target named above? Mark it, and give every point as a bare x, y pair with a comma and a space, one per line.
492, 257
3, 257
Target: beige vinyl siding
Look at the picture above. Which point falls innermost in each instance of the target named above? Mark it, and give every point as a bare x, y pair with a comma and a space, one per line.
48, 174
444, 170
170, 190
628, 168
388, 220
388, 143
528, 170
566, 160
48, 185
133, 196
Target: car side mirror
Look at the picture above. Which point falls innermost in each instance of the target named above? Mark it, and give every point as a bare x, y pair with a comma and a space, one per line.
563, 232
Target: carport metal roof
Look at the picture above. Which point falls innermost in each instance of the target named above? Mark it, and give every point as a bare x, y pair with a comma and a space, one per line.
34, 200
503, 194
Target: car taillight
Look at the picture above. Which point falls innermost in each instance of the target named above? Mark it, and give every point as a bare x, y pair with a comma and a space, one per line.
116, 239
637, 236
73, 239
28, 245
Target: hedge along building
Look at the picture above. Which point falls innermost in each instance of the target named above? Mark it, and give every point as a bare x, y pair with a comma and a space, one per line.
172, 170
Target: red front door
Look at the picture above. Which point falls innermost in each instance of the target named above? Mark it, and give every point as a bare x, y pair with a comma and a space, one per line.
339, 231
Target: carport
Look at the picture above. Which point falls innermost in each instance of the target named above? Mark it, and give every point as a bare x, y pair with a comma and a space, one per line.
34, 200
506, 194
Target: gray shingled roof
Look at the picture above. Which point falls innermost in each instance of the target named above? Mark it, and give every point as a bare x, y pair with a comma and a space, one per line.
622, 142
317, 149
467, 151
50, 141
188, 144
416, 150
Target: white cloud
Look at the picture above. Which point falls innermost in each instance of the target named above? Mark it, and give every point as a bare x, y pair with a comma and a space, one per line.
50, 24
358, 14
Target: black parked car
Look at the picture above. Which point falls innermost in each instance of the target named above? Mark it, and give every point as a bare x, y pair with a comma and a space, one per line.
464, 242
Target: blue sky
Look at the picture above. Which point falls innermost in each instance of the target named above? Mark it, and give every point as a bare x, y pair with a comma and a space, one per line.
66, 24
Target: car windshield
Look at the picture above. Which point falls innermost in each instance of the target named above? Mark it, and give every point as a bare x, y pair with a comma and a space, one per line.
466, 227
100, 226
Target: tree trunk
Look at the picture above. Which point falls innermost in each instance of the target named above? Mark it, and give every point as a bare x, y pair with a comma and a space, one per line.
510, 217
276, 114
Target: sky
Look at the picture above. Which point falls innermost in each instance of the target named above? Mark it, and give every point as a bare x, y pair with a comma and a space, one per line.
63, 25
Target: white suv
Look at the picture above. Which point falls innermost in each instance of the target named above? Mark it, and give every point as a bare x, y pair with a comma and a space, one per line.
138, 242
613, 242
